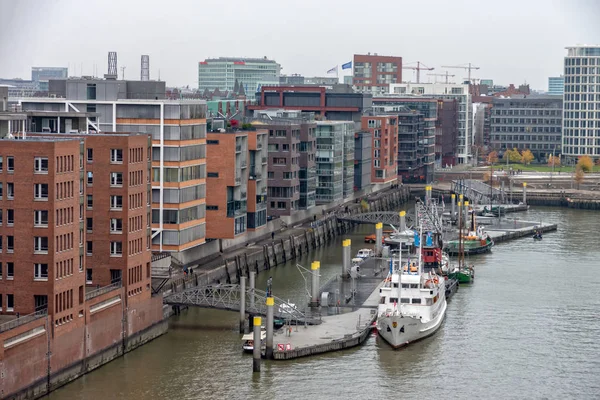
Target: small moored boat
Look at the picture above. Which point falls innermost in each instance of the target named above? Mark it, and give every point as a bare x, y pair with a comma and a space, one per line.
365, 253
248, 340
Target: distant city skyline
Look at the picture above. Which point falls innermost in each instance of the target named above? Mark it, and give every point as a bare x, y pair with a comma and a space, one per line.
512, 42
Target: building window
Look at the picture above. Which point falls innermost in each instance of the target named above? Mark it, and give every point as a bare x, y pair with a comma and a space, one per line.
40, 191
116, 179
40, 245
116, 156
40, 165
116, 225
1, 165
10, 191
10, 244
90, 155
40, 272
89, 225
90, 201
91, 91
90, 179
10, 164
116, 202
10, 216
40, 218
1, 191
116, 249
211, 208
0, 217
212, 174
40, 302
10, 302
10, 270
88, 275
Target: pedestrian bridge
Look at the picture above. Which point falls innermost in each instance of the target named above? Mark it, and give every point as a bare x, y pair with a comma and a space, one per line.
385, 217
228, 297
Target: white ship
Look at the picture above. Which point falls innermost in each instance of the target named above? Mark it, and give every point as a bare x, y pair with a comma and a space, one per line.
412, 304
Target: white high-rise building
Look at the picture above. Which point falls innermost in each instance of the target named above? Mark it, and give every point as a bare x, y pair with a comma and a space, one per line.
581, 102
465, 109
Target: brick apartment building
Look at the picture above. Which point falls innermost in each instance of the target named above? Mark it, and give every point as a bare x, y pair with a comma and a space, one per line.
236, 183
75, 255
446, 139
384, 131
373, 73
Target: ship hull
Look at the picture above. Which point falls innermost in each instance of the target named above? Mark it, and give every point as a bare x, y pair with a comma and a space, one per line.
400, 331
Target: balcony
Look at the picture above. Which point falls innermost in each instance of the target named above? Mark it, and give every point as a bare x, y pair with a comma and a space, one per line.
238, 180
244, 164
264, 160
236, 208
238, 148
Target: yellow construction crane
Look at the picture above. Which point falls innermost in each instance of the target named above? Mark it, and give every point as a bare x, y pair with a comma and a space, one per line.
467, 67
420, 66
446, 75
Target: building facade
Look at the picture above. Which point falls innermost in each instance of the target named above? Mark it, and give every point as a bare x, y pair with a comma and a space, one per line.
384, 131
236, 182
330, 104
581, 117
178, 131
556, 85
373, 73
363, 159
41, 75
252, 73
446, 139
447, 91
331, 167
532, 123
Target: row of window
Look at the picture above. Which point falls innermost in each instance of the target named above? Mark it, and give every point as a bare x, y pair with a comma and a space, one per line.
40, 244
116, 155
7, 271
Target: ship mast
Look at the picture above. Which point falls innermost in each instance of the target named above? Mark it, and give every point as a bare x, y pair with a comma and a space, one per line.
460, 224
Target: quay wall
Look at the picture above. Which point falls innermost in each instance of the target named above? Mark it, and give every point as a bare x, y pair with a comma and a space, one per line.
41, 356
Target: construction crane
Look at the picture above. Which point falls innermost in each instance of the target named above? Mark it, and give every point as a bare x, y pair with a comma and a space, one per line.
446, 75
420, 66
467, 67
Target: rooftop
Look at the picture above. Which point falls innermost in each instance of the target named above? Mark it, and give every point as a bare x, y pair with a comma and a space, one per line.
238, 59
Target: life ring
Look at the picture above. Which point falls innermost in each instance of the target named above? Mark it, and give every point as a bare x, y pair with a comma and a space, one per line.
428, 283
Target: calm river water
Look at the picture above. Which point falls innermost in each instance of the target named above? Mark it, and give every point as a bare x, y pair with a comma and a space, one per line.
529, 327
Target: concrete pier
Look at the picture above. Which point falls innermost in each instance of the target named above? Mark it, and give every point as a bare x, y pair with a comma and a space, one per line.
256, 351
402, 221
242, 304
346, 256
269, 348
524, 192
315, 269
453, 197
378, 237
252, 287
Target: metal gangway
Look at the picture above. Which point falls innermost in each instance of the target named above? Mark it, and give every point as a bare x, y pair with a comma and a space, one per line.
228, 297
429, 216
385, 217
477, 192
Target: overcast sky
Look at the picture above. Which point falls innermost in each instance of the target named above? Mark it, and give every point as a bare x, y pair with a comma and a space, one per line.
513, 41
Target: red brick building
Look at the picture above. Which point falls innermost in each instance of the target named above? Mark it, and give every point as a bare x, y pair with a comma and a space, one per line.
384, 131
373, 73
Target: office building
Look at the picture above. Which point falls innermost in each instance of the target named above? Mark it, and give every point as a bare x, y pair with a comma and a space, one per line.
236, 199
447, 91
532, 122
556, 85
581, 118
41, 76
373, 73
321, 80
294, 79
251, 73
363, 159
178, 131
446, 132
333, 168
339, 103
384, 131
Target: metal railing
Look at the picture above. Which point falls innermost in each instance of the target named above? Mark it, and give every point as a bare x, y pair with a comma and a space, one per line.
103, 290
23, 320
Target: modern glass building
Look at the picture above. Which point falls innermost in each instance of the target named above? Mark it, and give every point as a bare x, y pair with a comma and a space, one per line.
556, 85
581, 102
252, 73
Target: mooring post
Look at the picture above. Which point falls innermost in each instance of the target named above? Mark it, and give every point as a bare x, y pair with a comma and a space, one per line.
345, 262
453, 197
257, 345
252, 287
314, 267
242, 303
269, 348
466, 215
524, 192
402, 221
378, 237
427, 194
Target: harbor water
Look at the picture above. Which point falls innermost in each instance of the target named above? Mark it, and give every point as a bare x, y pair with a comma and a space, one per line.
529, 327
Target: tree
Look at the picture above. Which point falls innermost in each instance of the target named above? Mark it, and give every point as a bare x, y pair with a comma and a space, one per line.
553, 160
598, 162
527, 157
585, 163
513, 155
579, 176
492, 158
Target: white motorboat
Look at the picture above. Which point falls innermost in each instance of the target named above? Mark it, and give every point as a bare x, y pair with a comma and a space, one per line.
248, 340
412, 303
365, 253
287, 308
